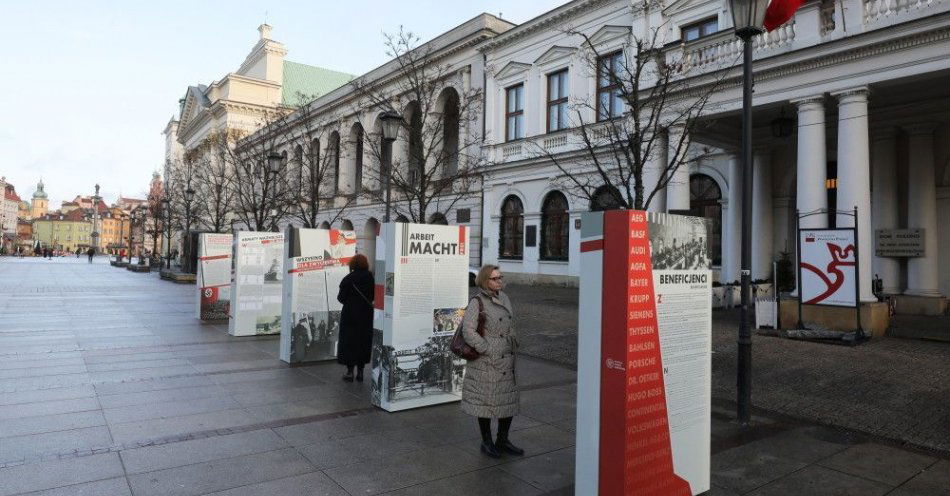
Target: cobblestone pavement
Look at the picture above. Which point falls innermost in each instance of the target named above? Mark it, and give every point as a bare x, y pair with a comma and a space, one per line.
898, 389
110, 386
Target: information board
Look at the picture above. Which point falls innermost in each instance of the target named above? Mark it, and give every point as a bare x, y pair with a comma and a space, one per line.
257, 284
421, 294
644, 355
316, 260
827, 259
899, 242
214, 276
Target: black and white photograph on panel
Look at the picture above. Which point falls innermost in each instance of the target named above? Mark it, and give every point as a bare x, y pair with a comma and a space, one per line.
678, 242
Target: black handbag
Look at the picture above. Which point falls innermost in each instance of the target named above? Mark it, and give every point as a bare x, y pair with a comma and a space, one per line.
462, 349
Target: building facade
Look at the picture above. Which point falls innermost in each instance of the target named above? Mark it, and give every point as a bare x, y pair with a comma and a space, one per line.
65, 232
867, 81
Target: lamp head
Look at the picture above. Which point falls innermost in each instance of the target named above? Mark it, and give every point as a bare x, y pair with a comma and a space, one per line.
390, 123
748, 17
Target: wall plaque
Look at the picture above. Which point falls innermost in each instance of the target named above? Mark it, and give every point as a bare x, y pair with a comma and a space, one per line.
899, 242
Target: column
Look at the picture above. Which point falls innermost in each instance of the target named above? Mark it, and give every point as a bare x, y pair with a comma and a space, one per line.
762, 215
884, 201
781, 225
656, 165
732, 217
677, 190
812, 161
811, 167
854, 177
922, 272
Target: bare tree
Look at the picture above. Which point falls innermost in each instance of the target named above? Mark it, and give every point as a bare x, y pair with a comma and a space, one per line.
313, 170
213, 183
179, 177
436, 159
645, 111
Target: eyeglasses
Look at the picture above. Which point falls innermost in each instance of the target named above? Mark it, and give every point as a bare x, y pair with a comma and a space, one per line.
499, 278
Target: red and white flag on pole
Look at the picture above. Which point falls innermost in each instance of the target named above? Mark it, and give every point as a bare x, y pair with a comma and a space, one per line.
779, 12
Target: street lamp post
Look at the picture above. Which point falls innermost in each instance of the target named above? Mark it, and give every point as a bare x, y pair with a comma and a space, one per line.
748, 18
95, 220
274, 161
189, 196
143, 217
391, 122
131, 232
167, 223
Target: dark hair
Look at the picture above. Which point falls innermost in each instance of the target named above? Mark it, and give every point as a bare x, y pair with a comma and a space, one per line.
359, 262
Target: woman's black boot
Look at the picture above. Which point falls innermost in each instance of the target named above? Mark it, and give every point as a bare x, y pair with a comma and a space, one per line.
502, 444
488, 447
349, 374
359, 373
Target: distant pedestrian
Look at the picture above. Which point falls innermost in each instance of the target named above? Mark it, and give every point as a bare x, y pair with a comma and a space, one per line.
78, 252
356, 319
489, 389
90, 252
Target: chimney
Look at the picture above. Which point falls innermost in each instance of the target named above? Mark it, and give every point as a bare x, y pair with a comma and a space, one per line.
264, 29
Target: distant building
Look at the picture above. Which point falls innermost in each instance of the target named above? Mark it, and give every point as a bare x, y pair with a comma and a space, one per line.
9, 207
40, 204
64, 231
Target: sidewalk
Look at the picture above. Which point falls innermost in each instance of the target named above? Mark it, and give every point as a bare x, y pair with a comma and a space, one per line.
110, 386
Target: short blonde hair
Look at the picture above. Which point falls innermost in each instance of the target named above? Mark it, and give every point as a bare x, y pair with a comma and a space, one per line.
484, 273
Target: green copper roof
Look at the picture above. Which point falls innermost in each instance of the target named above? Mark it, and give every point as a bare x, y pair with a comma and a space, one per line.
310, 81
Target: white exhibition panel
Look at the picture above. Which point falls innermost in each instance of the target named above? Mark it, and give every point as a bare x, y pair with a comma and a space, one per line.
827, 265
214, 276
644, 355
316, 260
257, 285
421, 295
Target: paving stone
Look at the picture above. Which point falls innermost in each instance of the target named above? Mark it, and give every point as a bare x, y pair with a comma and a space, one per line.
815, 480
932, 481
58, 473
537, 470
50, 423
341, 428
533, 440
486, 482
340, 452
157, 428
182, 453
167, 409
48, 408
219, 475
315, 484
879, 463
26, 447
109, 487
747, 467
137, 364
160, 396
403, 470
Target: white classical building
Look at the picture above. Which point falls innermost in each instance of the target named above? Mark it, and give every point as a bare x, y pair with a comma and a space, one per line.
867, 80
345, 124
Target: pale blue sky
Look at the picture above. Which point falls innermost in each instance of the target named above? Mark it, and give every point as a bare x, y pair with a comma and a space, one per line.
87, 87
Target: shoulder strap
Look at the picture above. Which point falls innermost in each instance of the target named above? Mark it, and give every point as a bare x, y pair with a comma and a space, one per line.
481, 316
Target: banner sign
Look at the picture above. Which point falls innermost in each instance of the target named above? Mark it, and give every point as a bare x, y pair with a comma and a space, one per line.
827, 259
421, 295
214, 276
644, 355
899, 242
316, 260
257, 285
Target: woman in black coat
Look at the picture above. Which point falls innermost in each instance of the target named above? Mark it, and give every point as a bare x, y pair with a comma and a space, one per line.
356, 319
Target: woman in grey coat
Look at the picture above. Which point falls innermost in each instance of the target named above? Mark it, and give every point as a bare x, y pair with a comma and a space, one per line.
490, 389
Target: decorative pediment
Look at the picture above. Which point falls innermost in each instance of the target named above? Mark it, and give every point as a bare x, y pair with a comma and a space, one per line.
685, 5
512, 69
554, 54
609, 33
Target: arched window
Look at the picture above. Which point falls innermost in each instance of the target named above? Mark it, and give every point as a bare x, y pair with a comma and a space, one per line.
511, 235
357, 136
606, 198
554, 227
704, 201
439, 219
324, 225
346, 225
416, 152
333, 149
450, 133
402, 218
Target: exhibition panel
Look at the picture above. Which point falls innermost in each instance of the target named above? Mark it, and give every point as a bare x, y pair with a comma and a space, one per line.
315, 263
214, 276
256, 287
421, 295
644, 355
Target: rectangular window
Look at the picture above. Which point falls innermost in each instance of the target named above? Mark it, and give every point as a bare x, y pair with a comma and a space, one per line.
557, 101
514, 113
610, 72
699, 29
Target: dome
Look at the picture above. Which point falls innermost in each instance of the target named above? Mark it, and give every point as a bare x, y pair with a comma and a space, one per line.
39, 193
